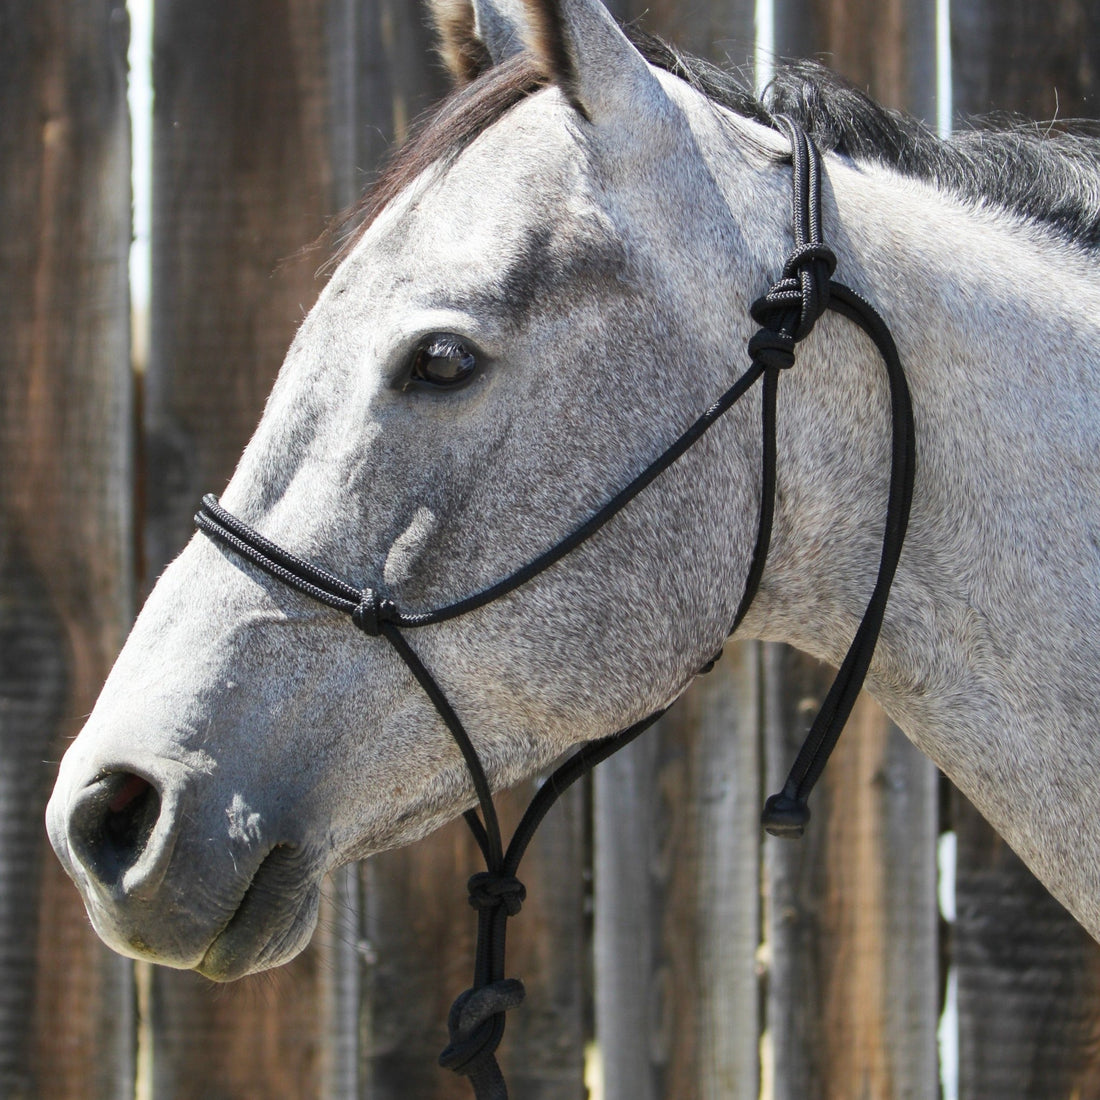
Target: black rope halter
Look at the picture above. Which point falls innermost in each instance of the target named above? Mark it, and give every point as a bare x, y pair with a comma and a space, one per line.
786, 315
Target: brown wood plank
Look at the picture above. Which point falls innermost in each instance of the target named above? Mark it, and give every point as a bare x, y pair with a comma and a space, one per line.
884, 46
676, 823
677, 897
1028, 975
65, 510
418, 931
252, 152
720, 30
852, 923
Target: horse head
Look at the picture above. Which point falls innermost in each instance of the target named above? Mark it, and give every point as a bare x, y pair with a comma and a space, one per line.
547, 287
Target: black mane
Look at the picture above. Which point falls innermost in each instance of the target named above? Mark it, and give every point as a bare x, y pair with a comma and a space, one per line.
1049, 176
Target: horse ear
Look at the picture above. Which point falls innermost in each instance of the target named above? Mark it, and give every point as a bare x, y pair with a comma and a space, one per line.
474, 35
589, 57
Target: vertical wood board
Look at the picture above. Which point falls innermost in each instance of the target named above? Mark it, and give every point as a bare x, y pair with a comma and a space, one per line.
676, 824
884, 46
65, 540
677, 897
250, 158
853, 931
419, 956
852, 925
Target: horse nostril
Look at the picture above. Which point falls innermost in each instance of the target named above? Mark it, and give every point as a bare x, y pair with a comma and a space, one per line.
111, 823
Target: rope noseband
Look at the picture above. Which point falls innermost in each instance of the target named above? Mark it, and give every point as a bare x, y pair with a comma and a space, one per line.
786, 315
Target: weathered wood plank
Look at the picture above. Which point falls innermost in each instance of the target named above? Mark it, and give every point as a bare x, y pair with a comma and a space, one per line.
676, 836
677, 897
1040, 60
676, 824
1028, 975
418, 930
885, 46
65, 513
252, 152
852, 924
720, 30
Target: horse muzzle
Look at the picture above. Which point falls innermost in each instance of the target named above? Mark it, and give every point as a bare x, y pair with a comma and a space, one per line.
227, 899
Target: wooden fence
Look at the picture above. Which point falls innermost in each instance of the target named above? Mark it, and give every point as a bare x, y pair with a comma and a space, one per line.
811, 970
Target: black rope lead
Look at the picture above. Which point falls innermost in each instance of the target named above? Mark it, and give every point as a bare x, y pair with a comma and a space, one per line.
788, 311
786, 315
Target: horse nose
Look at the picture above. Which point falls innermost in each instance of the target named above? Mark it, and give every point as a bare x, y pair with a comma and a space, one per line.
113, 832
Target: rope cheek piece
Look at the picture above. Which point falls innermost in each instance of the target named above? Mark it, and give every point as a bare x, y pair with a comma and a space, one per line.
786, 314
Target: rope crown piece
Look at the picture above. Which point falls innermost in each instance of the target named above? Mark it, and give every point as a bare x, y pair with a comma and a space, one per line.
786, 314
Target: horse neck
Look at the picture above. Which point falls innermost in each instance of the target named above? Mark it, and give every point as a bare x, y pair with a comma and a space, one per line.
990, 654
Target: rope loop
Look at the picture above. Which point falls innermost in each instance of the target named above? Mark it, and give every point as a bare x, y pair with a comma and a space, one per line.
804, 287
371, 611
490, 890
475, 1024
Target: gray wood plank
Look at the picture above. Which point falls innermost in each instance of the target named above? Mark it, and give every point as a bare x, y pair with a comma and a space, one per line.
419, 950
853, 932
677, 897
852, 926
65, 513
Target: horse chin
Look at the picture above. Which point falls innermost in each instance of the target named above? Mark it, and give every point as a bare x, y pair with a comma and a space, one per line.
273, 922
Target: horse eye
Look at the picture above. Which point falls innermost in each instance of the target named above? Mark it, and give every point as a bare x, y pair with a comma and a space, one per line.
443, 361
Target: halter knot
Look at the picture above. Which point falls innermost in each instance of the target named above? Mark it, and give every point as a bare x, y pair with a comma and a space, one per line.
488, 890
475, 1026
372, 611
772, 349
804, 287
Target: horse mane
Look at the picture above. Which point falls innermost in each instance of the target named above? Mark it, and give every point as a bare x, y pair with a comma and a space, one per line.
1045, 174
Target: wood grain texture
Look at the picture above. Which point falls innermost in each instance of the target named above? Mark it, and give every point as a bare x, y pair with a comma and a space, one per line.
677, 897
65, 509
418, 932
853, 934
1040, 60
852, 927
246, 170
1028, 975
677, 838
884, 46
721, 30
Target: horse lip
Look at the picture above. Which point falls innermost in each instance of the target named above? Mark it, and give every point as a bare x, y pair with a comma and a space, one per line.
273, 920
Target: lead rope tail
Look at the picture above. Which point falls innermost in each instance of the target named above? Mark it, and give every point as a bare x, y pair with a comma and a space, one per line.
787, 813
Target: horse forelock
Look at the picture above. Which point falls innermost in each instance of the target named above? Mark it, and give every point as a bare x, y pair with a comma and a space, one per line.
1044, 174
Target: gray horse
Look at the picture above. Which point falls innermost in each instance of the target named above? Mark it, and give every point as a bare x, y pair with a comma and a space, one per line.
551, 283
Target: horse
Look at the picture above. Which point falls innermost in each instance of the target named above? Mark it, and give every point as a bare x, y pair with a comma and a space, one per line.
524, 318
